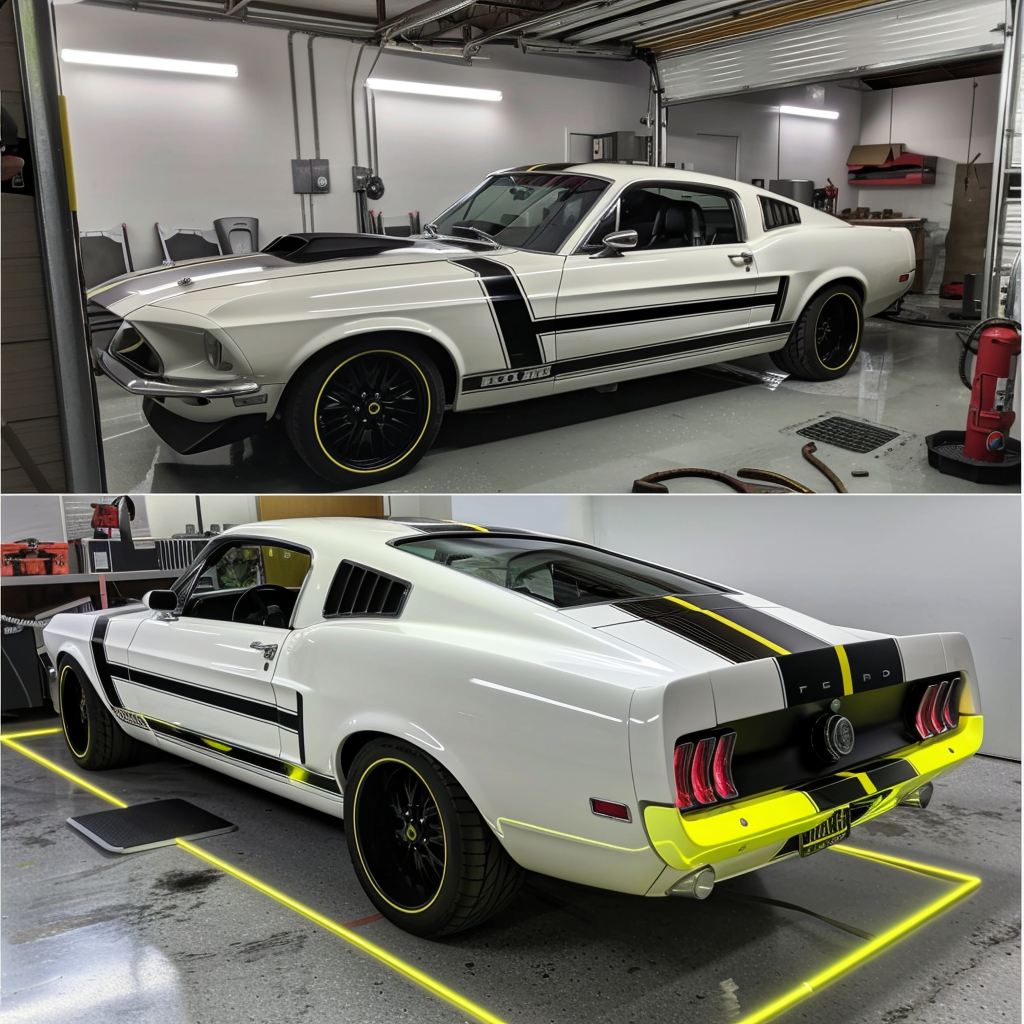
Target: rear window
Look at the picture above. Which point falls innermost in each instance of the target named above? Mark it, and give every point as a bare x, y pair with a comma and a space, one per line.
558, 573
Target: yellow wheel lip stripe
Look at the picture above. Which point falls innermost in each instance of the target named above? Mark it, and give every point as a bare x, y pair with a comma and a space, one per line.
849, 358
731, 624
355, 835
399, 966
60, 700
426, 419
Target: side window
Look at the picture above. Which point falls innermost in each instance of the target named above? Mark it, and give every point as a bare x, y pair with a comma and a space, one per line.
672, 216
248, 582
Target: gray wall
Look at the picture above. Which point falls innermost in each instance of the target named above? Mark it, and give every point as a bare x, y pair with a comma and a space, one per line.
183, 150
897, 564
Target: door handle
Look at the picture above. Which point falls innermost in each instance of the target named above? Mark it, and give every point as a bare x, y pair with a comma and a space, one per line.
269, 650
747, 257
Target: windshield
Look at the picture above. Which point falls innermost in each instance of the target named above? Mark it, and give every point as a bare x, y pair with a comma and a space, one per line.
523, 210
559, 573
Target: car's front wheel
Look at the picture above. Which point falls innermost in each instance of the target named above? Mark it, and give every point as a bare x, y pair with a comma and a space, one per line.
93, 736
421, 850
363, 414
826, 337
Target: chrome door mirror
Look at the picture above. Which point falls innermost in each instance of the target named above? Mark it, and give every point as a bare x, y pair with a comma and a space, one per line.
616, 243
163, 602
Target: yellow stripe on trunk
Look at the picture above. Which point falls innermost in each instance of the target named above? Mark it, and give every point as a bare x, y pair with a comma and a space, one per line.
732, 625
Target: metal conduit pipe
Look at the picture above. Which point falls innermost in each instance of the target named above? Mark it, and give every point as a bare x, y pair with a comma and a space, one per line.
316, 117
295, 118
558, 17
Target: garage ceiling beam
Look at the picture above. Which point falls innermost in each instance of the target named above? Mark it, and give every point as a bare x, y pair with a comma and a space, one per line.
422, 15
550, 22
231, 9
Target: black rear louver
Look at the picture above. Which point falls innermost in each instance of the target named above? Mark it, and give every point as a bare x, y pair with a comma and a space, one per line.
359, 590
777, 214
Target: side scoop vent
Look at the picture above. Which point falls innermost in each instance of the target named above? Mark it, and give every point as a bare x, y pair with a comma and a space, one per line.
358, 590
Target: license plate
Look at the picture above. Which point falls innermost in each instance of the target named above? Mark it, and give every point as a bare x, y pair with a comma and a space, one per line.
828, 833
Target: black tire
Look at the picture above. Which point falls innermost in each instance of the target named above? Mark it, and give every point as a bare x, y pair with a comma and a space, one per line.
826, 337
93, 735
364, 413
425, 857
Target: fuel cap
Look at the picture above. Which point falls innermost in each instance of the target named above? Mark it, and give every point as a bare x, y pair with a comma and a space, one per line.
832, 737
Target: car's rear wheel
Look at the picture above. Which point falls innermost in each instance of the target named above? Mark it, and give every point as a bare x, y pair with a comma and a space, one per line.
421, 850
826, 337
363, 414
93, 735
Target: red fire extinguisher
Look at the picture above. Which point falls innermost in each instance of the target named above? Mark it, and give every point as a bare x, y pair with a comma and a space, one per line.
991, 414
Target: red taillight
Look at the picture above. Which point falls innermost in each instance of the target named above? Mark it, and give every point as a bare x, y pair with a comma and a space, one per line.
904, 277
922, 720
700, 776
951, 706
609, 809
681, 760
935, 721
721, 769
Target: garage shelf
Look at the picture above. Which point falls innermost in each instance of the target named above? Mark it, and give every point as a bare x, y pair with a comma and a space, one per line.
90, 577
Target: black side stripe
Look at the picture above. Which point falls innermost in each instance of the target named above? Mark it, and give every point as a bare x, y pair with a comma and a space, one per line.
99, 655
249, 757
647, 314
299, 729
607, 360
780, 298
510, 308
214, 698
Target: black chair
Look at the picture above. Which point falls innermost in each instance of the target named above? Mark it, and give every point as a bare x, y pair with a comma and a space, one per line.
187, 244
105, 255
238, 234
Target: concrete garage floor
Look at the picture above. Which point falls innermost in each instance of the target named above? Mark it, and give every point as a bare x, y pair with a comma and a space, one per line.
724, 417
163, 936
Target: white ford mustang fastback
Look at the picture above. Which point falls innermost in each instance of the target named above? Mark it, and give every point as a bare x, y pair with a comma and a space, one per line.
479, 703
542, 280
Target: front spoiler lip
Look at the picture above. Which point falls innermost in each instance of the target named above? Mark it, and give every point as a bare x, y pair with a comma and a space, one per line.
165, 387
739, 827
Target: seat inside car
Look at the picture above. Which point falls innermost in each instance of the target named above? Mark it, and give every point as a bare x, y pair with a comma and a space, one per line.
677, 224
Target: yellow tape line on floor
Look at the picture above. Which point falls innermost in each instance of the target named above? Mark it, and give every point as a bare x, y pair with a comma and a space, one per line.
966, 884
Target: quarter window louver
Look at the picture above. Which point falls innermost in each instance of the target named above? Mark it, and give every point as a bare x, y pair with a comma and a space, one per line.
359, 590
777, 214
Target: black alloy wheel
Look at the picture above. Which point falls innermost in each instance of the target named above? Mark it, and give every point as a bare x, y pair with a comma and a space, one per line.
94, 737
825, 339
366, 414
421, 851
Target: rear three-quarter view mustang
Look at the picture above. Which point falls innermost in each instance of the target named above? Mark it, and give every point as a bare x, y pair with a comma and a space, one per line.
542, 280
480, 703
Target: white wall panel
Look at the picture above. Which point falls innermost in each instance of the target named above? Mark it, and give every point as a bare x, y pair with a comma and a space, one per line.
875, 38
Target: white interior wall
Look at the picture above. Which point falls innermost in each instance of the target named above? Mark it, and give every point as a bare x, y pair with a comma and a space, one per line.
567, 515
184, 150
896, 564
169, 513
38, 516
808, 147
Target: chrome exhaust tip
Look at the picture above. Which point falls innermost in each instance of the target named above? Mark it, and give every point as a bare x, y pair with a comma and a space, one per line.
697, 885
920, 797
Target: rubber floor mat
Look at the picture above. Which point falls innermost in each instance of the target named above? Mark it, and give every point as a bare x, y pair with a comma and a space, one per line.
146, 826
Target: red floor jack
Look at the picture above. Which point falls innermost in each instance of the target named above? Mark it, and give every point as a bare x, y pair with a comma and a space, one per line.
985, 452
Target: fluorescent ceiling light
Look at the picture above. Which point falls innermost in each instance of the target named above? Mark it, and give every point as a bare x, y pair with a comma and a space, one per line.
127, 60
810, 112
428, 89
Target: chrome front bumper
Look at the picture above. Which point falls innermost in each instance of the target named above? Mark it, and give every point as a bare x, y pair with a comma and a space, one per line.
165, 387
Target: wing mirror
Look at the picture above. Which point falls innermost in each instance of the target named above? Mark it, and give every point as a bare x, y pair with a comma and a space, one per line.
163, 602
616, 243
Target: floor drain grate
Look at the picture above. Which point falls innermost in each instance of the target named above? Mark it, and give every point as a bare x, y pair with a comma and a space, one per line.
849, 434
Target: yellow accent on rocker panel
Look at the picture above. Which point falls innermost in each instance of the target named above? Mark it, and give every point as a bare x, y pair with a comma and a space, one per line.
418, 977
966, 885
359, 850
426, 418
844, 667
730, 623
566, 835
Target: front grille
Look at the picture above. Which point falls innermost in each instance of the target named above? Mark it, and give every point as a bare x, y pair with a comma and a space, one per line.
850, 435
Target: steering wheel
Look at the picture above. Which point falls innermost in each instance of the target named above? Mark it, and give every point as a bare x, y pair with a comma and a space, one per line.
264, 604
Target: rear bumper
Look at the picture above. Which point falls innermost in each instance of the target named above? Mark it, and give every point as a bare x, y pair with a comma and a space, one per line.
745, 834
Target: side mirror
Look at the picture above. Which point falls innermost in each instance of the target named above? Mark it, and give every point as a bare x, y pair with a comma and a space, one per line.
165, 602
616, 243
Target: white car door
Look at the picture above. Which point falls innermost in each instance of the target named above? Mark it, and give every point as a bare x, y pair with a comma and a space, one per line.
209, 669
687, 286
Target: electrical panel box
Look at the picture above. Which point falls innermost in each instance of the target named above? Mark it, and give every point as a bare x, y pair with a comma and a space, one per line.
311, 177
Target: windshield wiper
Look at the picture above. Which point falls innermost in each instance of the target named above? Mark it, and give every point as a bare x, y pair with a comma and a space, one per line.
481, 234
